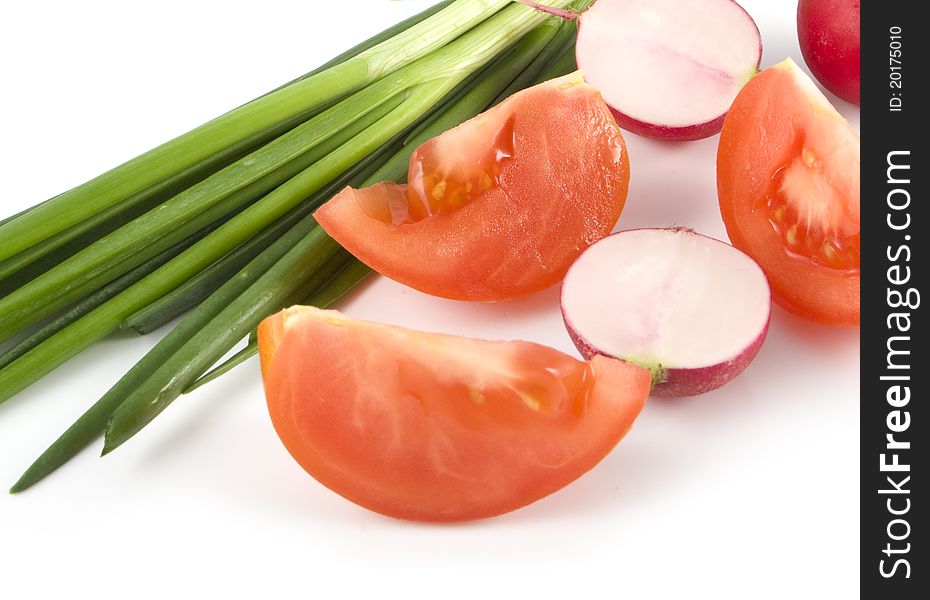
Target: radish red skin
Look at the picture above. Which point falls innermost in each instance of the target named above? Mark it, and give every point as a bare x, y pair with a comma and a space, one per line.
677, 383
828, 32
666, 133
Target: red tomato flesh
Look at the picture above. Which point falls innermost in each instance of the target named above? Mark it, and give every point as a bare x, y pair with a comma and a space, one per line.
434, 427
788, 185
499, 206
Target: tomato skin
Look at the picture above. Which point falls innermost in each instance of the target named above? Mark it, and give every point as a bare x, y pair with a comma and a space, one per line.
439, 428
761, 134
563, 189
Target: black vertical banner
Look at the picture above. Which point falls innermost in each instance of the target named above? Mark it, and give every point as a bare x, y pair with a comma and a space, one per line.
895, 370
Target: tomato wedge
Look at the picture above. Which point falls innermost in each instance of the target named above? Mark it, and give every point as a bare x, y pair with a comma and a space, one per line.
788, 185
499, 206
435, 427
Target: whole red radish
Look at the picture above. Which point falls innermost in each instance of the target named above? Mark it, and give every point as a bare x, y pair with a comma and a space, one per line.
828, 31
668, 69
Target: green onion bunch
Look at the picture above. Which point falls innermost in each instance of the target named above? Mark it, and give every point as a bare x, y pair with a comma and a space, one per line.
217, 223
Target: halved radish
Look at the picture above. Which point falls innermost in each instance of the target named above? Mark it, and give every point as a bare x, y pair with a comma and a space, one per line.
669, 69
692, 309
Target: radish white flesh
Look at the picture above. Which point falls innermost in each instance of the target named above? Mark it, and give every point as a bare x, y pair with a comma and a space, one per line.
669, 69
693, 309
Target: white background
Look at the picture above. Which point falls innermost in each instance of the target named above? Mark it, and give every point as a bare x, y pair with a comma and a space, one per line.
747, 492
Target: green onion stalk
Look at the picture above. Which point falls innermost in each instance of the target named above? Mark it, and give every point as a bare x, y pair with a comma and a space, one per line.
97, 298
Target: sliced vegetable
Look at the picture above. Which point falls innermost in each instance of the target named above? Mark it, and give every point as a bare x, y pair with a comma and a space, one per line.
663, 66
499, 206
788, 184
438, 428
690, 308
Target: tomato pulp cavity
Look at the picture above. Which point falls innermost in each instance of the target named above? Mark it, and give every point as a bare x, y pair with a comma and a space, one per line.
788, 186
499, 206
